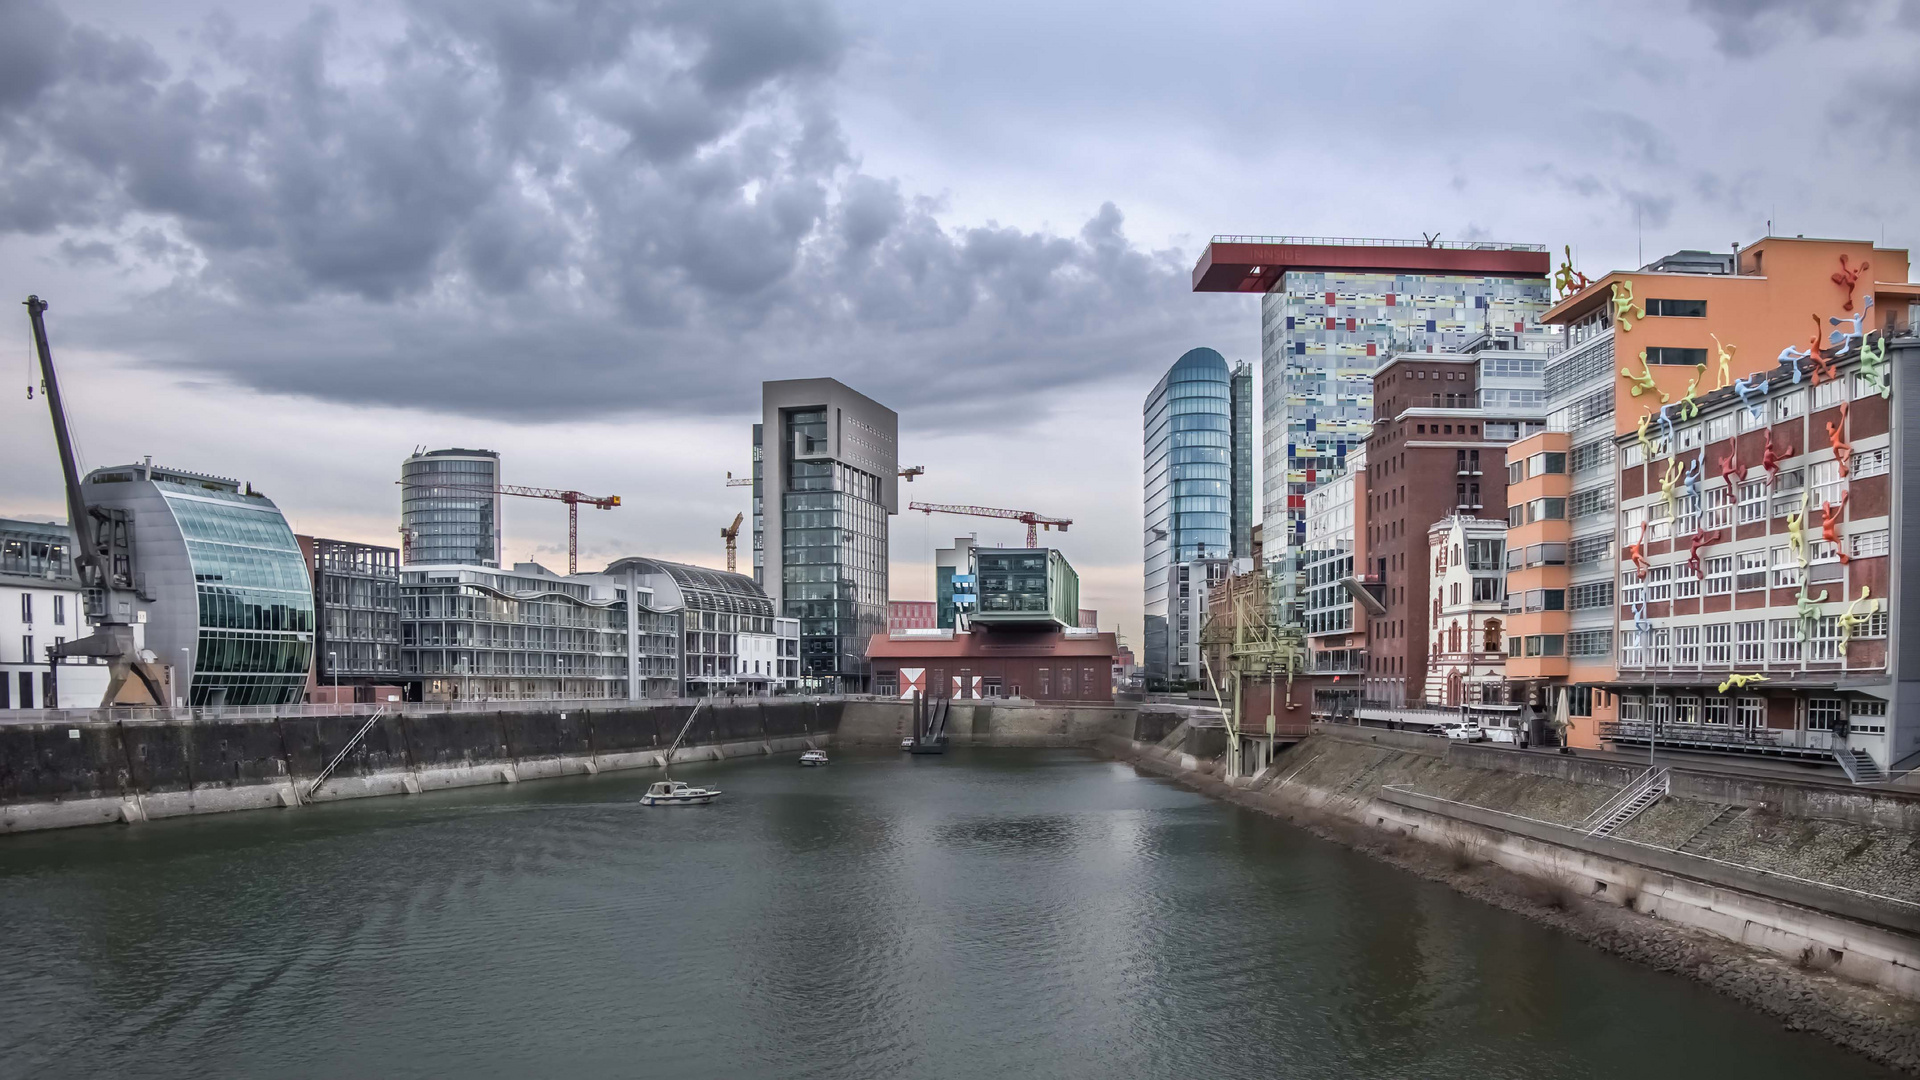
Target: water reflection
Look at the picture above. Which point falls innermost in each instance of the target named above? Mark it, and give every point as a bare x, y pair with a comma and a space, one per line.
1030, 914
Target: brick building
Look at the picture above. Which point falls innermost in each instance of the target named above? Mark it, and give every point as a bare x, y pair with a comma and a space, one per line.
1036, 663
1434, 453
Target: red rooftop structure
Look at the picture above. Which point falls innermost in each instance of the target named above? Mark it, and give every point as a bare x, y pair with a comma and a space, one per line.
1251, 264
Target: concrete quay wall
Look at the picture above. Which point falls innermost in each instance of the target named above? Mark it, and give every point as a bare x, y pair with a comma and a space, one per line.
983, 722
1367, 779
65, 774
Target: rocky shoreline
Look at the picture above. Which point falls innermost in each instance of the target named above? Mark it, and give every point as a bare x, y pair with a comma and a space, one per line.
1874, 1024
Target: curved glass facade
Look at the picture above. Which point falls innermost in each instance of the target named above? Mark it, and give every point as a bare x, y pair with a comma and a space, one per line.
443, 522
255, 640
1197, 489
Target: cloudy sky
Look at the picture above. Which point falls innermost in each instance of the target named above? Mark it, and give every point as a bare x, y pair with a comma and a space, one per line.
289, 242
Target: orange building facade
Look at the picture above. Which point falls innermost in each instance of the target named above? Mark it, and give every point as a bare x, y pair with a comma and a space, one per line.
1689, 540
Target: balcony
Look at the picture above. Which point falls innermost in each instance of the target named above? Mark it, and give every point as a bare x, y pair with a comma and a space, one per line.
1730, 738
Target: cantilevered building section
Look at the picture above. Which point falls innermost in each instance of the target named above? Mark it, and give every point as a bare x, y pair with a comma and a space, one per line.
1331, 310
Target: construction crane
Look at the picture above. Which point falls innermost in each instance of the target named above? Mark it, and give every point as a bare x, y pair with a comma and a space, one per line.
573, 499
741, 482
912, 471
731, 534
1033, 521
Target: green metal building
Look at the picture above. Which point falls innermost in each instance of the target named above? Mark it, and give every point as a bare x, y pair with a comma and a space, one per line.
1025, 585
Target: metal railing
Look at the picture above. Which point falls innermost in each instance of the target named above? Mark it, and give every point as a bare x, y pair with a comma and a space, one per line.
1620, 799
126, 714
1761, 871
1360, 241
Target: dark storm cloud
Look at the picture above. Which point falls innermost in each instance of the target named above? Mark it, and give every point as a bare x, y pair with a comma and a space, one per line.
542, 208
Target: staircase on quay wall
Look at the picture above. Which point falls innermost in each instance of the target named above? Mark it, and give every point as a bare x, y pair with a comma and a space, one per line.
1629, 803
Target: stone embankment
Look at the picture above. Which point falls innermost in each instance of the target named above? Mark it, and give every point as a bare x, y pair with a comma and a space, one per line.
1799, 899
58, 774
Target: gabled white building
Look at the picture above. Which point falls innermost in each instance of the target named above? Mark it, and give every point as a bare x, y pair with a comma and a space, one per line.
1466, 601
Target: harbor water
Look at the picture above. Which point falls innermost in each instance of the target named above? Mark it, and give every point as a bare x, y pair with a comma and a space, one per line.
987, 913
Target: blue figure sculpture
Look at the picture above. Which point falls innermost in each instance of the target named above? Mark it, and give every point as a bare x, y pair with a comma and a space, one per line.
1755, 385
1856, 327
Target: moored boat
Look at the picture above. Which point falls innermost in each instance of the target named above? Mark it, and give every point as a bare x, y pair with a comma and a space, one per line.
814, 757
677, 793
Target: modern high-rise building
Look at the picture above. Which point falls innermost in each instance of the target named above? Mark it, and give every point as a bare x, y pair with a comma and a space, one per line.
826, 478
217, 581
450, 507
1197, 489
1331, 310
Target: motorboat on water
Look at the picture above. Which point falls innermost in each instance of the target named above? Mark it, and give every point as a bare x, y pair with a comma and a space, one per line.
667, 791
906, 743
677, 793
814, 757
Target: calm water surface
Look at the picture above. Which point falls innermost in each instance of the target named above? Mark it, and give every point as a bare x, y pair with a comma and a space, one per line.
987, 914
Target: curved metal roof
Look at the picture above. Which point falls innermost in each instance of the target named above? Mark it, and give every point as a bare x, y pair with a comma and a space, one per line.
703, 588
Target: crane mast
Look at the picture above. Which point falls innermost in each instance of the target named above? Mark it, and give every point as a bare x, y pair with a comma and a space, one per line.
573, 499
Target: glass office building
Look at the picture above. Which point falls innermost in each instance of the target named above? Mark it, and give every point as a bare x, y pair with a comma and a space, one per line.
1195, 492
219, 580
450, 507
826, 482
471, 633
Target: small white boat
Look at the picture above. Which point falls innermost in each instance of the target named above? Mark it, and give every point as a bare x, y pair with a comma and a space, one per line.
906, 744
677, 793
814, 757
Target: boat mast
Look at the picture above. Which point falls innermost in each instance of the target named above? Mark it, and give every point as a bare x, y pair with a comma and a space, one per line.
666, 763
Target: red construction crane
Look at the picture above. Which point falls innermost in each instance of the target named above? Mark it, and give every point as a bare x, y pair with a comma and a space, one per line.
573, 499
1032, 519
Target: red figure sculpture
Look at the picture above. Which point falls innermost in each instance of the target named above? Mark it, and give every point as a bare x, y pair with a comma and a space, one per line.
1770, 461
1842, 448
1819, 364
1847, 277
1830, 524
1732, 471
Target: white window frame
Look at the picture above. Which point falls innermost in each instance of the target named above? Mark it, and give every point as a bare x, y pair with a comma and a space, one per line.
1719, 575
1867, 545
1719, 643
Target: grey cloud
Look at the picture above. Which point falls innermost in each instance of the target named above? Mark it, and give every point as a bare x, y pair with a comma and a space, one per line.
550, 209
1749, 27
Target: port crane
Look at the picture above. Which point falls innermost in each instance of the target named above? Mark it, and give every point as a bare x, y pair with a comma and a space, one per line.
731, 534
573, 499
1034, 521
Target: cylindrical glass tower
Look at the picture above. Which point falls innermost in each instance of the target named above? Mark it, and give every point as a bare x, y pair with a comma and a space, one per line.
450, 507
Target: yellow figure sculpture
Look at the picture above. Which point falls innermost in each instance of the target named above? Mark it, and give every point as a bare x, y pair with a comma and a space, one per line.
1741, 681
1624, 309
1689, 409
1643, 382
1850, 622
1568, 280
1646, 444
1797, 532
1668, 482
1726, 362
